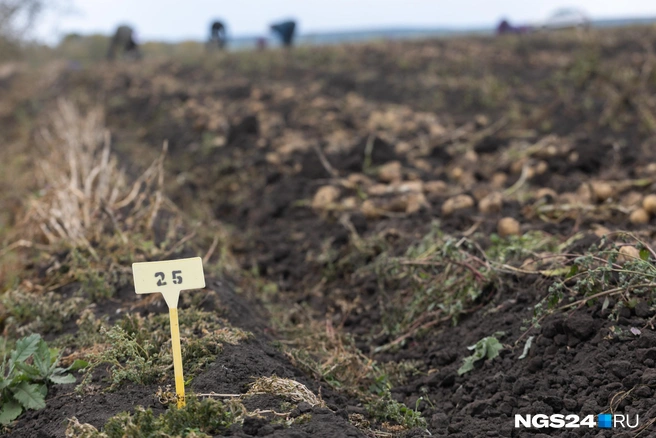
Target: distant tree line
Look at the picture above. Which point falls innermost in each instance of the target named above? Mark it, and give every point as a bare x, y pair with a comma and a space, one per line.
18, 16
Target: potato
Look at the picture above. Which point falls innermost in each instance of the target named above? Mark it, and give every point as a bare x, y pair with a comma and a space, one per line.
639, 217
601, 190
541, 167
325, 196
422, 164
530, 172
631, 199
397, 204
471, 156
390, 172
601, 231
273, 158
356, 179
517, 166
479, 192
482, 120
459, 202
467, 180
498, 180
491, 203
409, 186
369, 209
402, 148
378, 190
529, 264
573, 157
456, 173
415, 201
546, 192
551, 151
350, 203
572, 198
508, 226
628, 253
435, 187
585, 193
649, 204
414, 175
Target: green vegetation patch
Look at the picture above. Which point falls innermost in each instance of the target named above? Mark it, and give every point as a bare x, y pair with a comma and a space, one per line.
25, 376
383, 408
442, 277
28, 311
486, 348
617, 274
198, 418
138, 349
332, 356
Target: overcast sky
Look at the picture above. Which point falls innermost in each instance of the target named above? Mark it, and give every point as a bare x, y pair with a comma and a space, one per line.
189, 19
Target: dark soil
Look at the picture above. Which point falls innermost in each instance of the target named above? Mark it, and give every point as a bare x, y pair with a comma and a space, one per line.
261, 175
232, 372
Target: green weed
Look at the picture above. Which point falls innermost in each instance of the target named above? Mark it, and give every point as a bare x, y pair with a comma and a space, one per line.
25, 376
385, 409
87, 334
96, 282
600, 274
505, 249
139, 362
442, 277
486, 348
30, 312
435, 280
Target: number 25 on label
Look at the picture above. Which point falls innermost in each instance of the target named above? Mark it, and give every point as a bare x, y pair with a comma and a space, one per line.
175, 274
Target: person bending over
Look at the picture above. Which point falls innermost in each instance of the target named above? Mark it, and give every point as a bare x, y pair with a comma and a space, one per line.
285, 31
217, 35
123, 43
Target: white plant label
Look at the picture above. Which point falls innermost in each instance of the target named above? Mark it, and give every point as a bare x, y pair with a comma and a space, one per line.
169, 277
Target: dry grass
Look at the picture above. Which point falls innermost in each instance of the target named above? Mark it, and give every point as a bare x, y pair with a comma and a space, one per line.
287, 388
85, 192
87, 201
328, 354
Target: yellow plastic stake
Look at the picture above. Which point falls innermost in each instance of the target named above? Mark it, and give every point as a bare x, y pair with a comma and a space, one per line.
177, 356
169, 278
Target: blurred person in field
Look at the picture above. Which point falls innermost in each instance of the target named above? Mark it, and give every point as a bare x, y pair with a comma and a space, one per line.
505, 28
123, 43
218, 36
285, 31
